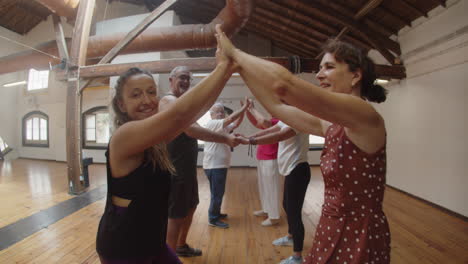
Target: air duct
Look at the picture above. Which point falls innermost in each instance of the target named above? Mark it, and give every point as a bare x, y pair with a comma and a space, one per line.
182, 37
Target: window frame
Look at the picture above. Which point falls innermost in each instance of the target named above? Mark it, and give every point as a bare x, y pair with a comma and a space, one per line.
32, 143
84, 143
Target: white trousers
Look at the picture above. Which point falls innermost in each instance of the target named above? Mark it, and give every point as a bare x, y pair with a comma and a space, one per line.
269, 187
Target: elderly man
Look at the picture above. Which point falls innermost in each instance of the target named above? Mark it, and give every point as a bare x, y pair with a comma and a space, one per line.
217, 159
183, 151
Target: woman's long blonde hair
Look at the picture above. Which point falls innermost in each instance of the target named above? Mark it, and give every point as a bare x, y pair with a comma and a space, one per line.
157, 154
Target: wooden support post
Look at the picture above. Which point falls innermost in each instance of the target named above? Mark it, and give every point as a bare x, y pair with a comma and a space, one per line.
73, 113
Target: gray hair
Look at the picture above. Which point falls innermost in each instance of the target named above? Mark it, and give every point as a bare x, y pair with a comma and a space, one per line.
216, 105
178, 69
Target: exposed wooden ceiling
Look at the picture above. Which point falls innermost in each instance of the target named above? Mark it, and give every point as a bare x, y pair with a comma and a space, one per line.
301, 27
297, 26
21, 16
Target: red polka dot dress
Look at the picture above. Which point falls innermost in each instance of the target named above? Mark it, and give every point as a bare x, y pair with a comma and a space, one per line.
353, 228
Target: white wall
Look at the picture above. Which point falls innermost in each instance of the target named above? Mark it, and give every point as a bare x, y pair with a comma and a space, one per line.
426, 113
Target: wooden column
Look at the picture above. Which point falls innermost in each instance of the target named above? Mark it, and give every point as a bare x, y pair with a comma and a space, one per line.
73, 113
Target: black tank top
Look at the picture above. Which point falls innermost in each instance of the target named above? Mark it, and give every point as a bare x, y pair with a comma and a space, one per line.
141, 230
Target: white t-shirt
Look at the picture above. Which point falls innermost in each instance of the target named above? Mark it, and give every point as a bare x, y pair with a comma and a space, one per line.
292, 151
216, 155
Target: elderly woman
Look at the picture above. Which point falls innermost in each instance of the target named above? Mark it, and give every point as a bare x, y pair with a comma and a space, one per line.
352, 228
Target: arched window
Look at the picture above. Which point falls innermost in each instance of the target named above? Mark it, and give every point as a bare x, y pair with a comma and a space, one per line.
96, 128
36, 130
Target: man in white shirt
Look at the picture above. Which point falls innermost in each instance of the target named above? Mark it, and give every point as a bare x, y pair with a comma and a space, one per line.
217, 159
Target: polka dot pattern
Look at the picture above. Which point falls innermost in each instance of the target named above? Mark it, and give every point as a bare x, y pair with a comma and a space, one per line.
353, 228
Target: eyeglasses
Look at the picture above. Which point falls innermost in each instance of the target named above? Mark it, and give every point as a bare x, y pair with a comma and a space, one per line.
187, 78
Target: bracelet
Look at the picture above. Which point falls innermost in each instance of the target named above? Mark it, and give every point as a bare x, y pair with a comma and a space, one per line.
252, 141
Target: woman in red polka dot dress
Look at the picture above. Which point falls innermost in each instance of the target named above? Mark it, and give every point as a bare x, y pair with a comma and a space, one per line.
352, 228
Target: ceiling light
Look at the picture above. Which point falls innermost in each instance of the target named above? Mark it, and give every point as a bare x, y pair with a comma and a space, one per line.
14, 84
381, 81
204, 74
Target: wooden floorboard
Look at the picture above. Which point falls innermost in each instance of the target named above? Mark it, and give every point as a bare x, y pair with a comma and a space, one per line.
420, 232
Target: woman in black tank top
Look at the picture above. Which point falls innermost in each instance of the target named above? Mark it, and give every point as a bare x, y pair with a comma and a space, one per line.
133, 226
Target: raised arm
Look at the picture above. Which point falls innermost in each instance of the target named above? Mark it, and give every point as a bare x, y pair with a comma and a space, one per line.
256, 118
236, 117
272, 85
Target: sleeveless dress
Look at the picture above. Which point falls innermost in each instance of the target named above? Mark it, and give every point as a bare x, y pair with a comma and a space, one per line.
353, 228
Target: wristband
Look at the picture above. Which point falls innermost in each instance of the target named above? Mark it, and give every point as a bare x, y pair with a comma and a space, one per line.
252, 141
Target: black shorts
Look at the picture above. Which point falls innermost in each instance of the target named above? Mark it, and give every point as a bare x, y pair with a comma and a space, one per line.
183, 196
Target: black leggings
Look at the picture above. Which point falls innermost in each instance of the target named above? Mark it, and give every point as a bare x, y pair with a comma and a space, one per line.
295, 187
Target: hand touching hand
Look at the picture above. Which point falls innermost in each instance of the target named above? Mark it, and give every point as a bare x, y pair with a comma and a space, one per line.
243, 140
224, 44
232, 141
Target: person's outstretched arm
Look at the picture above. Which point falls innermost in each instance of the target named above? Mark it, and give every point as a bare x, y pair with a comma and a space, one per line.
256, 118
271, 136
235, 119
273, 86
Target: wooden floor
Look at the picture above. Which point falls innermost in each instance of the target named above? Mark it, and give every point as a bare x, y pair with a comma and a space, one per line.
420, 233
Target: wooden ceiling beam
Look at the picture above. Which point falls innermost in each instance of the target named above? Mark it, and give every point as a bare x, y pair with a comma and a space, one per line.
60, 37
325, 12
136, 31
369, 6
268, 32
384, 30
294, 15
290, 46
287, 25
413, 8
208, 64
309, 22
400, 19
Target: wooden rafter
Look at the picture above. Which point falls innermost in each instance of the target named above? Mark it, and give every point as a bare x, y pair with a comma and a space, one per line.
380, 30
269, 32
60, 38
325, 12
137, 30
413, 8
308, 22
289, 47
288, 25
132, 35
395, 16
369, 6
